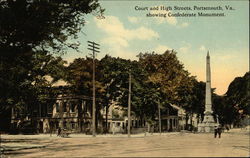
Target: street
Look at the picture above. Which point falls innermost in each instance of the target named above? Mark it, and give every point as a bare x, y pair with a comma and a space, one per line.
234, 143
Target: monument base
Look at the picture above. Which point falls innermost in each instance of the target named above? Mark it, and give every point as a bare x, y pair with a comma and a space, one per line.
206, 127
208, 124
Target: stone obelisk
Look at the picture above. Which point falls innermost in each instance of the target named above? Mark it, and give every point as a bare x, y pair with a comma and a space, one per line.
208, 123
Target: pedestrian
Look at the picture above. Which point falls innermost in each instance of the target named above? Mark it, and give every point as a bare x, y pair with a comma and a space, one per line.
219, 130
59, 131
215, 131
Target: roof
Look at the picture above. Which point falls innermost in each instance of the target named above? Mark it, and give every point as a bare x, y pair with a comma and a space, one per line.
177, 107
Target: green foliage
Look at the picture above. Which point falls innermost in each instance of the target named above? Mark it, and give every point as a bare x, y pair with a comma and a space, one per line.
238, 94
79, 75
114, 76
26, 24
193, 100
226, 113
167, 75
29, 30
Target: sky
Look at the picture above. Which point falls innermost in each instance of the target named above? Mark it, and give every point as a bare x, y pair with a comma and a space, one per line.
125, 31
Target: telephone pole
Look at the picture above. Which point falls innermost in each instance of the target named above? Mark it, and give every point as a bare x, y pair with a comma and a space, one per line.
159, 115
129, 105
159, 112
94, 47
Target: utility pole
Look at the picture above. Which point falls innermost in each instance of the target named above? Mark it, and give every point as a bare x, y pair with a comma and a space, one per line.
159, 113
0, 144
94, 47
129, 104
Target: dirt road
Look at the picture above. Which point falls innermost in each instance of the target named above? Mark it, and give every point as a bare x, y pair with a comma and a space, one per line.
235, 143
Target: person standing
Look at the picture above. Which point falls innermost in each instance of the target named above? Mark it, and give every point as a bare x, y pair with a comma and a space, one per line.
219, 130
215, 131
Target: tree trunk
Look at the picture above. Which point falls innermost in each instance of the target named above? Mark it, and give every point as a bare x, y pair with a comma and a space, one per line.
186, 124
106, 124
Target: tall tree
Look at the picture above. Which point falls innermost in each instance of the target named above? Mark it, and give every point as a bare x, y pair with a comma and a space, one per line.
193, 100
79, 75
29, 27
226, 113
115, 72
167, 73
238, 96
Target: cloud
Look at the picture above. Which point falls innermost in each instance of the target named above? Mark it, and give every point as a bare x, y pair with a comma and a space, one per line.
115, 29
115, 41
164, 18
161, 48
202, 48
123, 53
133, 19
171, 20
117, 37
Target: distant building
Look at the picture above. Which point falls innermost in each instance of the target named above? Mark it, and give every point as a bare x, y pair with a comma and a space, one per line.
67, 111
74, 112
176, 119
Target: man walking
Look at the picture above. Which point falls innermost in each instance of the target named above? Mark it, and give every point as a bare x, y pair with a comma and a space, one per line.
217, 130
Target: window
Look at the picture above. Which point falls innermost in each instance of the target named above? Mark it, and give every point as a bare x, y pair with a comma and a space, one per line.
64, 124
73, 125
72, 107
49, 109
64, 106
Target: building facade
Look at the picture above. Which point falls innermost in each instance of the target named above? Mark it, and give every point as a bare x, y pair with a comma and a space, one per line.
74, 113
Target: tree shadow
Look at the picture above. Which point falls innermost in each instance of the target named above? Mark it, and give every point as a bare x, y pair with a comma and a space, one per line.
18, 140
242, 148
17, 153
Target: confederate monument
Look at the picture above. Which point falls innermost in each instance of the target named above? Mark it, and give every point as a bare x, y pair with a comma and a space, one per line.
208, 123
